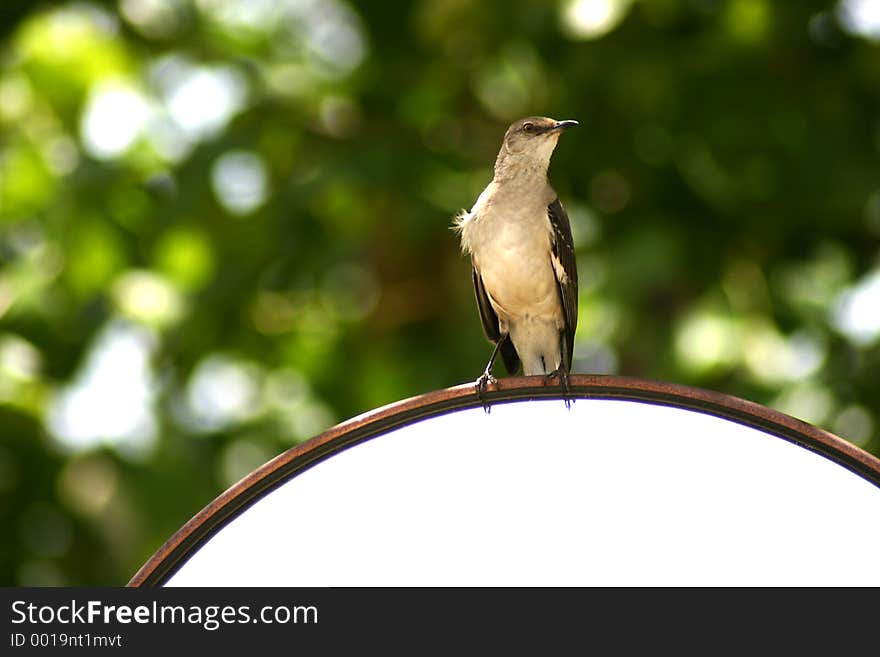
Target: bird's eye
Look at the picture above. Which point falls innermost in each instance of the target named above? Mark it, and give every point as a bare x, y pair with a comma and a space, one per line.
528, 126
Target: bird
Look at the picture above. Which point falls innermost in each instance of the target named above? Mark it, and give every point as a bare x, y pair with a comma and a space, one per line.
519, 239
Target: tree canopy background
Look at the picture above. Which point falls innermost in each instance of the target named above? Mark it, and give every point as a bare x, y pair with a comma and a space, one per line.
224, 227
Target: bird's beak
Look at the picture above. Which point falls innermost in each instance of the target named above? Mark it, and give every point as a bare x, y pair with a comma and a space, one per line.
562, 125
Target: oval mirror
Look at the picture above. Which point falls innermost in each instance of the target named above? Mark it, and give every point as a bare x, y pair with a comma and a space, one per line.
637, 483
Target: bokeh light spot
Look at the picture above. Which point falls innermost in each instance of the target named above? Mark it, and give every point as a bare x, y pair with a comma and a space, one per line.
88, 485
111, 400
512, 83
860, 17
222, 391
706, 341
185, 255
157, 19
114, 118
747, 21
240, 181
16, 96
148, 298
240, 458
19, 359
806, 401
200, 99
855, 424
856, 312
591, 19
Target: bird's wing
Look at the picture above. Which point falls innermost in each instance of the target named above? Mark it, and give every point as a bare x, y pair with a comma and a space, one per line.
490, 325
567, 278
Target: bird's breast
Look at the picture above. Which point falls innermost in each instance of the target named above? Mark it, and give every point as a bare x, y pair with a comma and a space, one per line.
510, 246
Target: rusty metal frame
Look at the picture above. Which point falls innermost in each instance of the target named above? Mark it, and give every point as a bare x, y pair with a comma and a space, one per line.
177, 549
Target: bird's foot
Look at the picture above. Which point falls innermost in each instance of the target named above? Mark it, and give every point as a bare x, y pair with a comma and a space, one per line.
483, 382
562, 374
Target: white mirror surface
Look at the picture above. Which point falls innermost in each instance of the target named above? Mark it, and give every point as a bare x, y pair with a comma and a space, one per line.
608, 493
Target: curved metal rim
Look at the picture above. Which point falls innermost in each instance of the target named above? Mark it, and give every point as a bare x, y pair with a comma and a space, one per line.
177, 549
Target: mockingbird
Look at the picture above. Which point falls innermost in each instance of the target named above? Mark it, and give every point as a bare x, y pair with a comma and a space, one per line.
519, 239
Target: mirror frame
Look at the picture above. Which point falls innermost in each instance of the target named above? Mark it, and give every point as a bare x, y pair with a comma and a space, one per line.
200, 528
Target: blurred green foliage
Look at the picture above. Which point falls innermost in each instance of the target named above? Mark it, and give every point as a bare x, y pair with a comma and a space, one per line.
224, 227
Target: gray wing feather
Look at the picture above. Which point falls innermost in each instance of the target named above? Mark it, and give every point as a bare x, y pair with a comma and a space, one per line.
490, 325
563, 249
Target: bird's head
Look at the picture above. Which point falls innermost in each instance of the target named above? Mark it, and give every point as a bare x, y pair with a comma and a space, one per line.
529, 143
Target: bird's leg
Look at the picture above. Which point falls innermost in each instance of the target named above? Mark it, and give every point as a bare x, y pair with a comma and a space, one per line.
486, 377
561, 373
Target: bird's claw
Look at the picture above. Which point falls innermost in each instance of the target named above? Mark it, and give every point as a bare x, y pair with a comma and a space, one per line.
483, 382
562, 374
